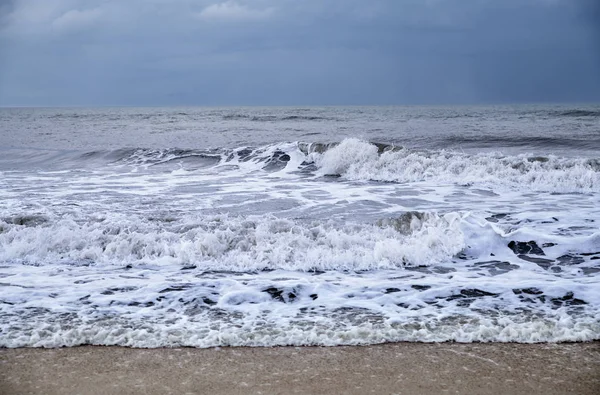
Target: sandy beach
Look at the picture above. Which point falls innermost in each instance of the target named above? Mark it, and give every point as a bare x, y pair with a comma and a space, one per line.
401, 368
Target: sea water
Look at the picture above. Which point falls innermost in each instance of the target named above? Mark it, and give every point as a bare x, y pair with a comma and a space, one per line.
154, 227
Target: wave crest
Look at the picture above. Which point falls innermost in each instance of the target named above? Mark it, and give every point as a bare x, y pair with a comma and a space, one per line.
356, 159
235, 243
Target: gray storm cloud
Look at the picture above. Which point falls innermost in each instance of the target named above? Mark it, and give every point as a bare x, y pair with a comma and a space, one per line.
270, 52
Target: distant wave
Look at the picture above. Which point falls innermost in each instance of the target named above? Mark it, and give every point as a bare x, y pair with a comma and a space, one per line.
576, 113
274, 118
544, 143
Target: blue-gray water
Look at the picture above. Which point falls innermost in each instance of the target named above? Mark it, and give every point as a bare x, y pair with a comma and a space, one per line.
265, 226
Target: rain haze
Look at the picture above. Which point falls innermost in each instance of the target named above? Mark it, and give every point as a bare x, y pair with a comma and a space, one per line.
287, 52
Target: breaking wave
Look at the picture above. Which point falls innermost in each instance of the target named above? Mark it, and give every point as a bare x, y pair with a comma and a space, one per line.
355, 159
234, 243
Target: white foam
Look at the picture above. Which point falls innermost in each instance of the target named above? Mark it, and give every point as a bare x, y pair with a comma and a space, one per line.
146, 307
159, 250
234, 243
358, 160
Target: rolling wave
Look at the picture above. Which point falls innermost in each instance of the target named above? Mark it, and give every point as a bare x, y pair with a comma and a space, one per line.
350, 159
233, 243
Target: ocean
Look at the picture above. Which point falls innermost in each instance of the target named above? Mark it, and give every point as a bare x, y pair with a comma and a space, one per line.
265, 226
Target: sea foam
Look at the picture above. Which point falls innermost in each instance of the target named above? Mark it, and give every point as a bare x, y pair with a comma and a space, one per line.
235, 243
356, 159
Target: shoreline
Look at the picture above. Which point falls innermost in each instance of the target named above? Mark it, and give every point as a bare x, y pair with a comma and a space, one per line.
400, 368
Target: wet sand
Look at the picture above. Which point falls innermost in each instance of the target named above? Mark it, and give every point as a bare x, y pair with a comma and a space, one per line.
400, 368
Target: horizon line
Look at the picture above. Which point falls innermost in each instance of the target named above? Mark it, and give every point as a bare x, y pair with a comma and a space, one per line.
466, 104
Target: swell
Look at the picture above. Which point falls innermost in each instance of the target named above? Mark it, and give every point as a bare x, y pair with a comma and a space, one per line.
30, 158
144, 156
587, 142
575, 113
275, 118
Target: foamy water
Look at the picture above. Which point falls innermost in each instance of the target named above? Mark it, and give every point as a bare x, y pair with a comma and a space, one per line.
299, 226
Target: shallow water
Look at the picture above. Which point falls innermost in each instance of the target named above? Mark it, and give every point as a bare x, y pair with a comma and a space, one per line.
273, 226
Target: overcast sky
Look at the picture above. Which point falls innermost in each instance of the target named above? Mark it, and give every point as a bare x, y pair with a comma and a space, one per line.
298, 52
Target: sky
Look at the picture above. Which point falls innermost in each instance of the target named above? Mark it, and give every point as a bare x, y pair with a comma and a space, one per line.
298, 52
